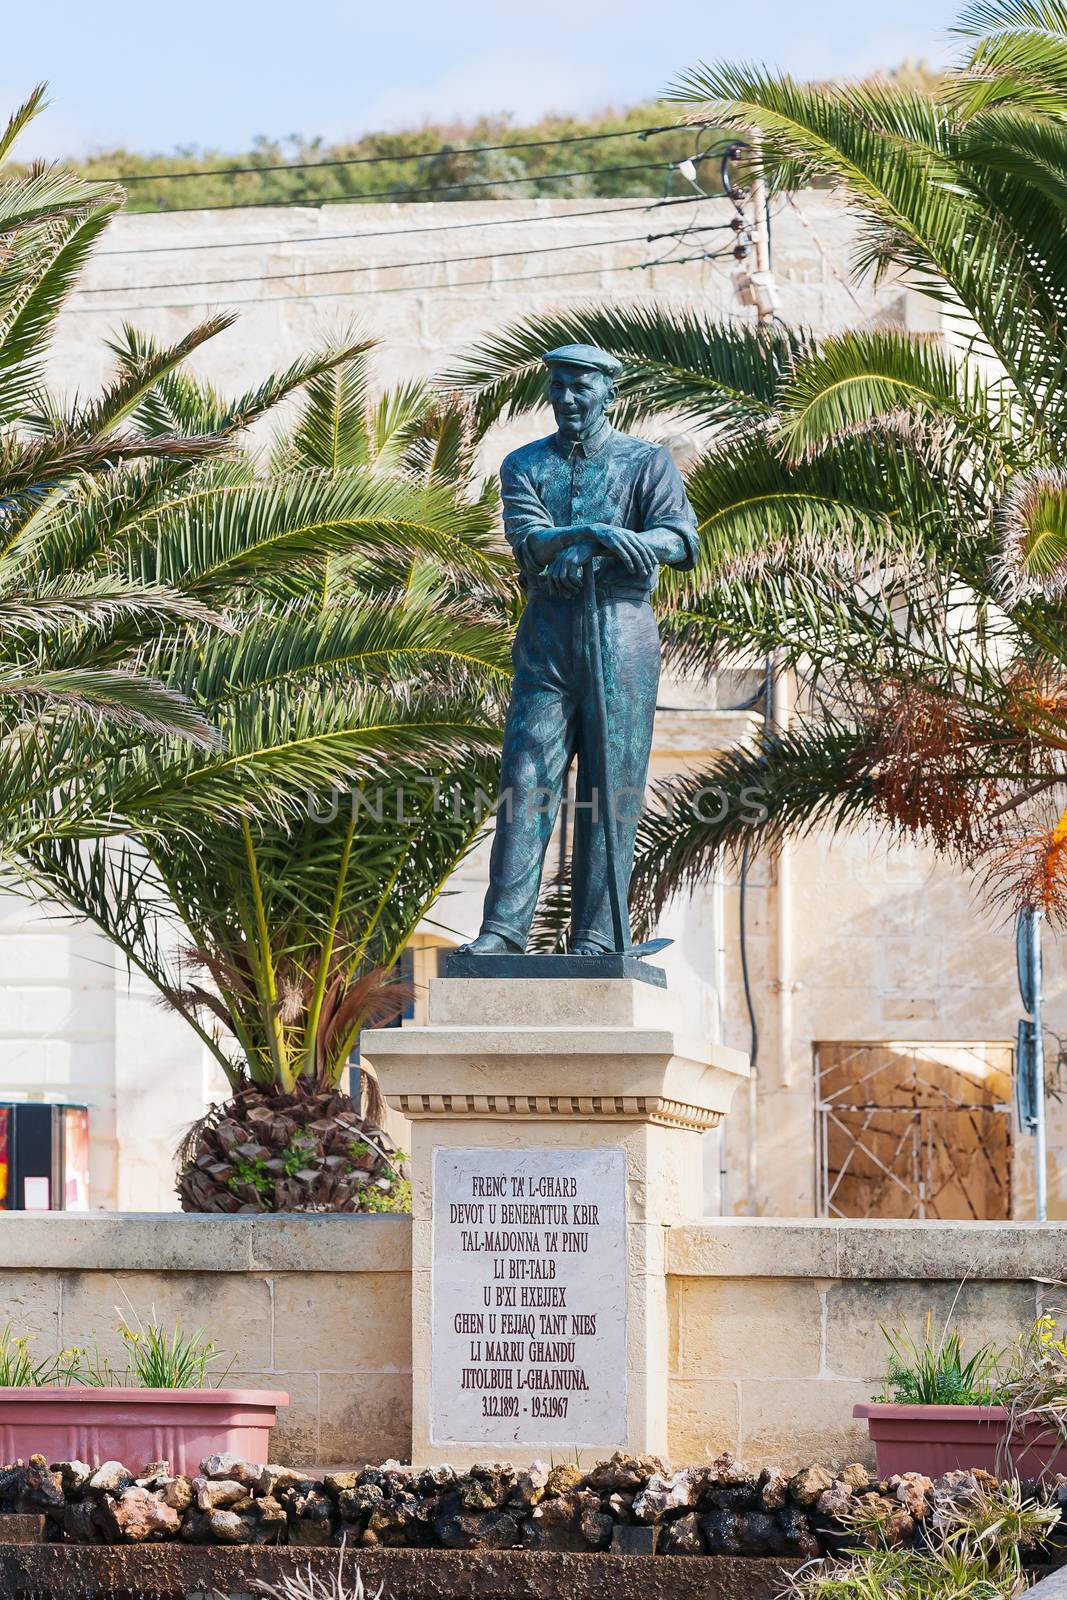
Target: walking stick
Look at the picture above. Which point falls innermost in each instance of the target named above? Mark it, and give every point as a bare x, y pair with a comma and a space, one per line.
619, 918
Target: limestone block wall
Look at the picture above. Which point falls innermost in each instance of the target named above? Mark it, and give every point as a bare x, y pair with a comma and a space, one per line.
775, 1324
318, 1306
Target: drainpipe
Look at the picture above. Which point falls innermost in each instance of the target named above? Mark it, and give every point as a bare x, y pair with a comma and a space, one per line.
783, 696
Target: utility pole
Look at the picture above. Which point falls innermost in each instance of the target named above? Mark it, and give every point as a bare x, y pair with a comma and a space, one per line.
755, 286
764, 293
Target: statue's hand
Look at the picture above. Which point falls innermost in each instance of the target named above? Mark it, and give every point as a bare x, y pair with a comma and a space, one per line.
564, 574
627, 547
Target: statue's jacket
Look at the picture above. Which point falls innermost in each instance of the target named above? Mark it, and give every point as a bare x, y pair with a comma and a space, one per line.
611, 477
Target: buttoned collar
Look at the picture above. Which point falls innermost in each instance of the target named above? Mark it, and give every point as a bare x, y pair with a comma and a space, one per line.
568, 448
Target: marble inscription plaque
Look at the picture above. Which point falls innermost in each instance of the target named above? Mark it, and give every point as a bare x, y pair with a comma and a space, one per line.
529, 1297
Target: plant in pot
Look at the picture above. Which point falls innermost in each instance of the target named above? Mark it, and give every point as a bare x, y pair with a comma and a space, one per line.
369, 597
74, 1405
1002, 1408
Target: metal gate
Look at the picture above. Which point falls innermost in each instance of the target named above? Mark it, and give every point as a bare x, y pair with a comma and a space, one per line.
914, 1130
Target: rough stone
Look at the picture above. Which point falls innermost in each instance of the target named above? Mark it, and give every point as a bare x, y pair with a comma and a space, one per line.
912, 1490
312, 1518
495, 1481
529, 1486
110, 1478
739, 1495
42, 1488
898, 1528
595, 1527
232, 1467
265, 1521
553, 1525
336, 1483
561, 1480
808, 1484
624, 1474
218, 1494
774, 1488
477, 1530
635, 1539
225, 1527
135, 1516
395, 1522
80, 1522
273, 1479
760, 1534
799, 1539
664, 1494
476, 1495
437, 1480
357, 1504
683, 1537
721, 1509
722, 1530
74, 1476
178, 1493
836, 1502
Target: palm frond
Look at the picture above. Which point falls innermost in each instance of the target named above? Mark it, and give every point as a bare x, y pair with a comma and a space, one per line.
859, 378
675, 361
792, 783
331, 431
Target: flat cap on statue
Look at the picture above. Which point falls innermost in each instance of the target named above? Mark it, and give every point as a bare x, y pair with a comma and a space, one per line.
583, 355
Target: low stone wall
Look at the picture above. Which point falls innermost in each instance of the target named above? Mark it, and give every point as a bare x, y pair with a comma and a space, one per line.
774, 1324
176, 1572
317, 1305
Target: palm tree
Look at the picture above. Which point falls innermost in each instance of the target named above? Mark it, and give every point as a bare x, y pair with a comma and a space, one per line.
884, 514
80, 688
364, 582
70, 643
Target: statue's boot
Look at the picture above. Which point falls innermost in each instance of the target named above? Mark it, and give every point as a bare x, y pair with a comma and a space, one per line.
490, 944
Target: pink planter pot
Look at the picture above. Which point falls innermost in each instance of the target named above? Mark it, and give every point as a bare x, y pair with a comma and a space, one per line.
136, 1426
936, 1439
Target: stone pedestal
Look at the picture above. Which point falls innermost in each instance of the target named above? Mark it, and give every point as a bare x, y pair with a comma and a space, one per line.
555, 1137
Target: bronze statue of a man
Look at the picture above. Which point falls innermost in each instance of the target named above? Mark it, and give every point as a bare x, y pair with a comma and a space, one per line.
586, 493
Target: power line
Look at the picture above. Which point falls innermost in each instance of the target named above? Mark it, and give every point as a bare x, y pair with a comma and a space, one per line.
391, 266
407, 194
404, 288
370, 161
391, 233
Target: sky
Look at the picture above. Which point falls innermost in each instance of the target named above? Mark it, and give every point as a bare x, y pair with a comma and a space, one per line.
214, 74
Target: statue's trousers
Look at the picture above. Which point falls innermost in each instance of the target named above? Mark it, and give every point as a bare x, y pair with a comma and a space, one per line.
551, 720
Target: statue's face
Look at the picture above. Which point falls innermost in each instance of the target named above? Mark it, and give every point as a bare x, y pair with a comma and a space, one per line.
579, 397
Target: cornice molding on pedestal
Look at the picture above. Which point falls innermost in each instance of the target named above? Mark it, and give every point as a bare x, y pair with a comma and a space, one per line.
658, 1109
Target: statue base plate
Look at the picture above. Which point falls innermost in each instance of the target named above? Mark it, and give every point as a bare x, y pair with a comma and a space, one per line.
610, 965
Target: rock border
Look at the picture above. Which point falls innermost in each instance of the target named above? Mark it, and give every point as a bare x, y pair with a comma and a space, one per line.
634, 1506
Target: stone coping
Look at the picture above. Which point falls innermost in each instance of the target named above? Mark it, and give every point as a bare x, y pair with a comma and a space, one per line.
163, 1241
729, 1247
169, 1572
803, 1247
